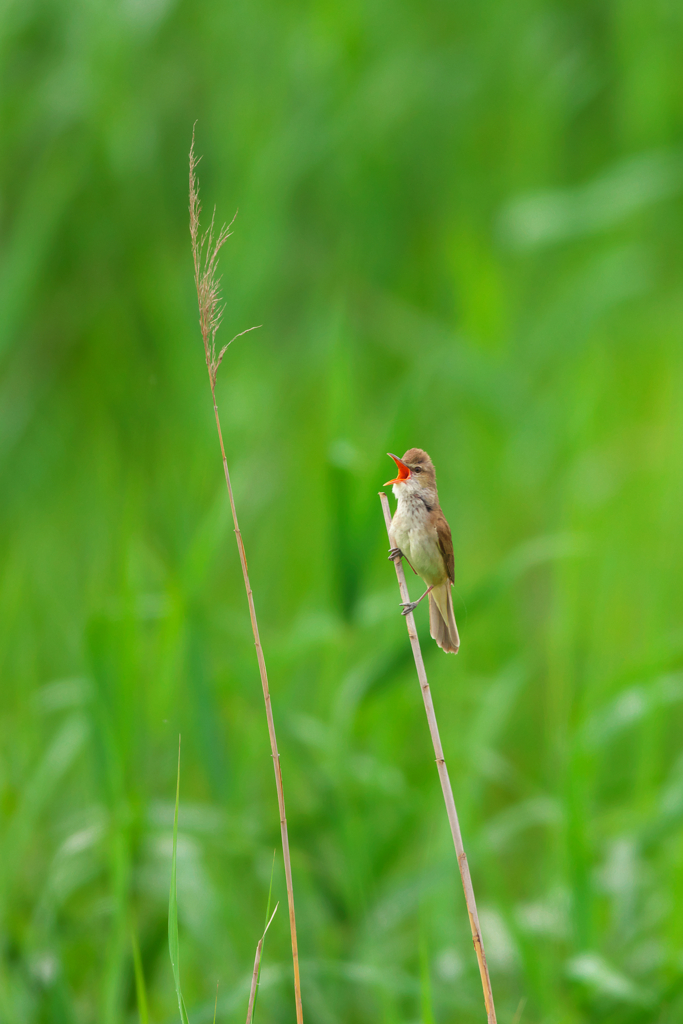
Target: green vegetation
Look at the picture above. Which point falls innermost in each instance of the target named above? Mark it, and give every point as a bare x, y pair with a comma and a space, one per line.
461, 226
173, 941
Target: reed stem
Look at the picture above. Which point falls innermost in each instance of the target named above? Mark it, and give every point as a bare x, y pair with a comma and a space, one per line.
205, 254
445, 782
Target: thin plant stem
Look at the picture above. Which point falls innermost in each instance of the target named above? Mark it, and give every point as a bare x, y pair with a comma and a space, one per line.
519, 1011
205, 250
173, 941
140, 988
257, 968
445, 782
265, 929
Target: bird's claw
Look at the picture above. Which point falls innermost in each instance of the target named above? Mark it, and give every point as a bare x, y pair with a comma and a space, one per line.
394, 554
408, 607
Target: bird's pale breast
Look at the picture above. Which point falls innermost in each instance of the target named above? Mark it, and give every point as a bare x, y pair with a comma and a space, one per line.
417, 538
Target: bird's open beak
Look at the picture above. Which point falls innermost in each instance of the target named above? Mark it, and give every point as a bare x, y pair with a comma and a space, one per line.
403, 471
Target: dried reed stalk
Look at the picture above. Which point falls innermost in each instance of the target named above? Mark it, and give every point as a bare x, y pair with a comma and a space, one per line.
445, 782
205, 250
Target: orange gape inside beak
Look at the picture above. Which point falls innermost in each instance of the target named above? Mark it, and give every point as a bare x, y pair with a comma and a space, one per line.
403, 471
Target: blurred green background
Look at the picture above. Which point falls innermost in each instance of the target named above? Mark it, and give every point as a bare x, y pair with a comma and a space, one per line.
461, 225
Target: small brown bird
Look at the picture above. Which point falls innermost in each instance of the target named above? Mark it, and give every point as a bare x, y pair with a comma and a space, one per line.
419, 532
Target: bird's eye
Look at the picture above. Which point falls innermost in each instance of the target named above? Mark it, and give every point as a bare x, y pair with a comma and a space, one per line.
417, 469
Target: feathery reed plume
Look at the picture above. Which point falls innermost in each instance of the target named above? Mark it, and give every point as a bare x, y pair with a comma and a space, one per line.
445, 782
205, 250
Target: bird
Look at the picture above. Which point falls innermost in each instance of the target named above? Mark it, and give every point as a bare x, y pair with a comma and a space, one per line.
420, 534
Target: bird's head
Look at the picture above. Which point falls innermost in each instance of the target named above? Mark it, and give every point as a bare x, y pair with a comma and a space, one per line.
415, 474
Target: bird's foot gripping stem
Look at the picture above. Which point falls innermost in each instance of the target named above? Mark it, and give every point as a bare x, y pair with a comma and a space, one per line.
410, 606
395, 554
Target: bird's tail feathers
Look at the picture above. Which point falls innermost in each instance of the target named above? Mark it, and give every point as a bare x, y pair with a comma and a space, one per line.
442, 620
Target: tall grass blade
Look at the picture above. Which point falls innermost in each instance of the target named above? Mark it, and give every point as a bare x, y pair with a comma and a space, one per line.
265, 929
257, 969
140, 987
426, 1004
173, 907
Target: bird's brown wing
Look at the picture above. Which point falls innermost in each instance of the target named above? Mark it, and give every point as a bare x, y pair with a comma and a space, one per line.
443, 532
